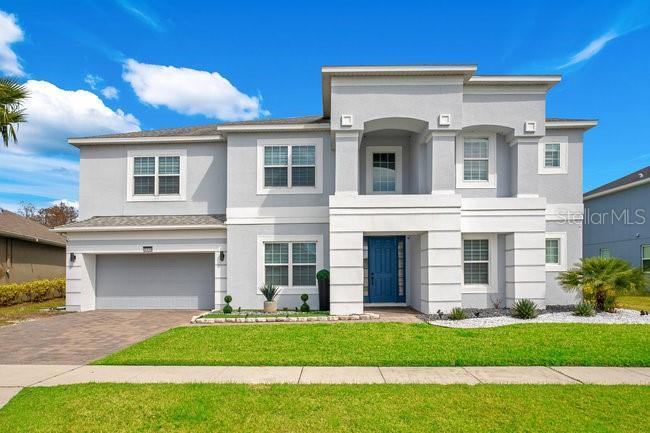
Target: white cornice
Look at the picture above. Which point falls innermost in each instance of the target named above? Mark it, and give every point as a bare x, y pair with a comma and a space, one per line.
571, 124
144, 140
139, 228
272, 128
515, 80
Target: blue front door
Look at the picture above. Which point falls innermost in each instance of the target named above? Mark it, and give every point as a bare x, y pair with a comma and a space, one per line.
382, 269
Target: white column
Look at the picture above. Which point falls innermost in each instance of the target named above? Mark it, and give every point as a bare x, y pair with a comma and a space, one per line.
441, 272
220, 278
347, 162
526, 268
346, 272
80, 282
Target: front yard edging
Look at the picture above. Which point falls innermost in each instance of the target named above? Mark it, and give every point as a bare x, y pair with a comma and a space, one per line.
202, 320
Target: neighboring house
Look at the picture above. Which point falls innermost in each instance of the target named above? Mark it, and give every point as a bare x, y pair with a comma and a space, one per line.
616, 219
427, 186
29, 250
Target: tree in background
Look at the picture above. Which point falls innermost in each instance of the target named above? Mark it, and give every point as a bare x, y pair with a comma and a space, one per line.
55, 215
12, 98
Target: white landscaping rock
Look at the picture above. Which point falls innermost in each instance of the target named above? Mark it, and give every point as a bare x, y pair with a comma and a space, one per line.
620, 317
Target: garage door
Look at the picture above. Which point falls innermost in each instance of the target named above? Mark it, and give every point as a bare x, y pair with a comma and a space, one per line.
146, 281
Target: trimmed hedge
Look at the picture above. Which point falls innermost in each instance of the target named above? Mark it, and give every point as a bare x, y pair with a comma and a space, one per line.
32, 291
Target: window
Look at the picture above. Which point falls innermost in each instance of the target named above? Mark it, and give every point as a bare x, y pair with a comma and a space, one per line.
604, 253
156, 175
290, 264
476, 259
475, 159
289, 166
383, 172
552, 155
553, 251
645, 258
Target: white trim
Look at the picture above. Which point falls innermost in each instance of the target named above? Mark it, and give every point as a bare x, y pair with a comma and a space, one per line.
278, 215
290, 142
492, 161
137, 140
155, 153
571, 124
397, 150
564, 155
527, 80
399, 70
261, 239
138, 228
493, 281
562, 266
303, 127
617, 189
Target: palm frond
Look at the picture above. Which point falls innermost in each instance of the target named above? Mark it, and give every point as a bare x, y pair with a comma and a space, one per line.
12, 93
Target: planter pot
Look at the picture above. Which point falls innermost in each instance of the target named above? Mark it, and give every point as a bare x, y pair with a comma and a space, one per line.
270, 306
324, 295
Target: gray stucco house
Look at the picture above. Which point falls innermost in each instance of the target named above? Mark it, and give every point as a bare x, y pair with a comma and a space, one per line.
616, 219
429, 186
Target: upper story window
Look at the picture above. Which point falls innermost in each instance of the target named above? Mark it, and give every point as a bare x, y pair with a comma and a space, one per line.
476, 161
156, 177
383, 169
289, 166
553, 155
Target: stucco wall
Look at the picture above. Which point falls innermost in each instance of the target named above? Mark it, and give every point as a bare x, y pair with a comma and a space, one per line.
22, 261
103, 181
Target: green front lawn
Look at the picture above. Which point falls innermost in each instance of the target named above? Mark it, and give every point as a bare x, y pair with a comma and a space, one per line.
641, 302
392, 344
29, 310
327, 408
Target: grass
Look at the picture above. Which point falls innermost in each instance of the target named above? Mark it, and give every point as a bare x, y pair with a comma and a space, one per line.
118, 408
392, 344
258, 313
641, 302
28, 310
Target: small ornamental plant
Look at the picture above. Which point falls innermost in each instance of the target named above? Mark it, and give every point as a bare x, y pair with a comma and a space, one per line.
322, 275
304, 307
524, 309
584, 309
457, 314
227, 309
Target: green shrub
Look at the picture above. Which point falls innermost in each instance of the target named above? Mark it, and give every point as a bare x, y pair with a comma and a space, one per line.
457, 314
524, 309
304, 307
227, 309
323, 274
584, 308
31, 291
270, 291
228, 299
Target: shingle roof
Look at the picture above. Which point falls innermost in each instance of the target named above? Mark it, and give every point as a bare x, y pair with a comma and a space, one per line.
144, 221
630, 179
17, 226
212, 129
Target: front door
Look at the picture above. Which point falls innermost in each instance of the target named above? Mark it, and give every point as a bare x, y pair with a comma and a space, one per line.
382, 269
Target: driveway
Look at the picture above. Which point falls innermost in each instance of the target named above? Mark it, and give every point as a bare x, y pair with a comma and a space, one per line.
78, 338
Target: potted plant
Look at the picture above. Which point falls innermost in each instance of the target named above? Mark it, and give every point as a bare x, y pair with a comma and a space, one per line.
270, 292
323, 277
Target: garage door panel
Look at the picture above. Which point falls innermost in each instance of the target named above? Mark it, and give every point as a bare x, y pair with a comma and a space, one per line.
155, 281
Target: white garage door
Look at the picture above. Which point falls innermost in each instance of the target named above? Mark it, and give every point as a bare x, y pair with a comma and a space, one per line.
147, 281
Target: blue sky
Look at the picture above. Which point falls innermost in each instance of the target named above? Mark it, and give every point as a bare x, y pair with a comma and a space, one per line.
104, 66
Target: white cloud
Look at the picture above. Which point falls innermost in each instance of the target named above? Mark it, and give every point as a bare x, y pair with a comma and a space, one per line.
10, 32
93, 80
147, 17
54, 114
190, 91
110, 92
591, 49
65, 201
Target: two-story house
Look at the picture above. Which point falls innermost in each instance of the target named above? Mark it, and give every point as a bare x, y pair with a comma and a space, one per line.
429, 186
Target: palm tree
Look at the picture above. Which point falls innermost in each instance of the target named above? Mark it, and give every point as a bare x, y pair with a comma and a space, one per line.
601, 280
12, 97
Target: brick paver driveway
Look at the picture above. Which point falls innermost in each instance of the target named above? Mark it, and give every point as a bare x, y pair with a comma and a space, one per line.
78, 338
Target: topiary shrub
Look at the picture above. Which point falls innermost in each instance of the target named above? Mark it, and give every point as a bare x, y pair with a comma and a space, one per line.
457, 314
584, 309
323, 274
31, 291
227, 309
304, 307
524, 309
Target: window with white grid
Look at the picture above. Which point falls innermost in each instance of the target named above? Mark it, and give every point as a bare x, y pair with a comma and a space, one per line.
156, 176
553, 251
383, 172
476, 261
290, 264
287, 166
604, 253
552, 155
475, 159
645, 258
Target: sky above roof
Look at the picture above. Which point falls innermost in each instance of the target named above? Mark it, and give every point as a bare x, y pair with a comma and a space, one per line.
101, 67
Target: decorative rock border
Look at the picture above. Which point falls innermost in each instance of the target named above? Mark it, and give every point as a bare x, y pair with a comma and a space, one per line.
204, 320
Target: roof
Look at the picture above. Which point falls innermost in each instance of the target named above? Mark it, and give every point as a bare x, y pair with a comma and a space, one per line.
145, 222
17, 226
637, 178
